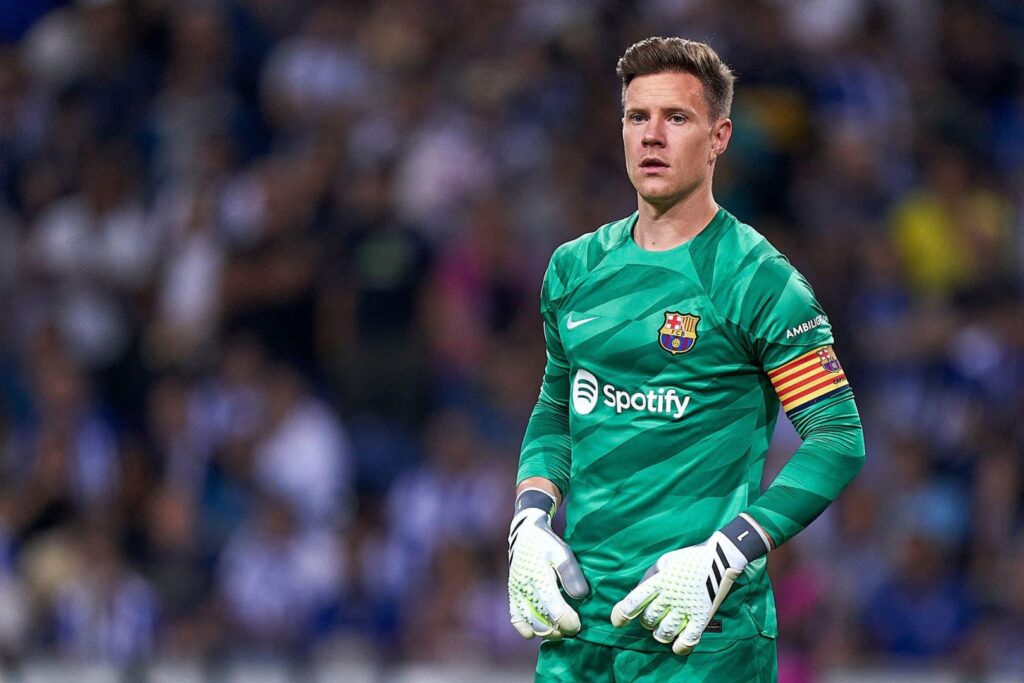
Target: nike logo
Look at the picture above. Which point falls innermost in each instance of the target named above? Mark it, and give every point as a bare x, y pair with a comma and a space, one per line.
571, 324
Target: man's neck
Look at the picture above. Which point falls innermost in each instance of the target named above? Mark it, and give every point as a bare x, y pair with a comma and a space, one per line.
660, 229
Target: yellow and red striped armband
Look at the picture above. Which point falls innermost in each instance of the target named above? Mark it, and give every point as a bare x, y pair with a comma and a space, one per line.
808, 378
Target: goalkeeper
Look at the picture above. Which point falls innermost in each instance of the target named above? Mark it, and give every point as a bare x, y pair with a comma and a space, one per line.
672, 336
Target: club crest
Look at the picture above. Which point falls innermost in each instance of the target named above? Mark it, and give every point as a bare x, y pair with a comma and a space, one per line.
679, 333
828, 359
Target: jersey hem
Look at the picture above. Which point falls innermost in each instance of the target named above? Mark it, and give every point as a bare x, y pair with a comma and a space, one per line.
712, 642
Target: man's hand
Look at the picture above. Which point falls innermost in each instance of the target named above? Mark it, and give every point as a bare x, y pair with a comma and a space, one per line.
536, 555
682, 590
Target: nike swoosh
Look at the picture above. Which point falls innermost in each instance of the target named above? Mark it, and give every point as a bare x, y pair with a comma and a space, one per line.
571, 324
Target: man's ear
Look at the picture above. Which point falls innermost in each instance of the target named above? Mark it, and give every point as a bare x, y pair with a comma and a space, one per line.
721, 133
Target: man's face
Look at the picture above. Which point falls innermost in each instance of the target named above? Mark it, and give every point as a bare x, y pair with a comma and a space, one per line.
671, 143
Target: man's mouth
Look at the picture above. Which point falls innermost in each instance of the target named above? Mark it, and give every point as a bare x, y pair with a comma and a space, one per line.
652, 162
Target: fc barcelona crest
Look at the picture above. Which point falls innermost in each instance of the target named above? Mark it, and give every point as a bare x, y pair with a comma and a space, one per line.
828, 359
679, 333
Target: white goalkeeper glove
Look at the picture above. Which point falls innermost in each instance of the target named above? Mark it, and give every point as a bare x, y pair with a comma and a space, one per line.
536, 555
682, 590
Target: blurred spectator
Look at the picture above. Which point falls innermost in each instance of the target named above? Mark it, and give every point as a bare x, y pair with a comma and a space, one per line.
179, 572
106, 611
372, 309
278, 579
303, 455
478, 294
15, 604
422, 515
1006, 625
118, 76
453, 622
444, 167
92, 254
189, 294
69, 447
952, 234
196, 103
317, 73
800, 597
923, 608
230, 404
183, 441
269, 285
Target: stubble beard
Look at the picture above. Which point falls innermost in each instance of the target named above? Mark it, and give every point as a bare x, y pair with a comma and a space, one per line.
670, 197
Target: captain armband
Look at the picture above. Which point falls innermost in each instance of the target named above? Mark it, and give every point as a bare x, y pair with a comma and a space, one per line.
808, 379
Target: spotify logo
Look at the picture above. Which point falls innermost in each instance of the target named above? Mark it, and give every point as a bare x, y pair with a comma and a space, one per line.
584, 392
652, 400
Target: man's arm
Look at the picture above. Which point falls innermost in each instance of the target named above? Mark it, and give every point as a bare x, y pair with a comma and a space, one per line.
546, 453
815, 393
546, 450
538, 560
831, 455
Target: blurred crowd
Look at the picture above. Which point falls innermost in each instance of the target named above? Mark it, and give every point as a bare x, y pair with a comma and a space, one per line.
269, 278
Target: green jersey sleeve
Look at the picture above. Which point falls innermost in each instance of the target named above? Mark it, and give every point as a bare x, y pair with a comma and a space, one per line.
791, 338
830, 456
546, 450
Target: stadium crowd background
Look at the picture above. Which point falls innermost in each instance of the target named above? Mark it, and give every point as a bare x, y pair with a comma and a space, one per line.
269, 279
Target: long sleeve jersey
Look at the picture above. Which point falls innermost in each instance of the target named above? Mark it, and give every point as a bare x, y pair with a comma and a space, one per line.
665, 373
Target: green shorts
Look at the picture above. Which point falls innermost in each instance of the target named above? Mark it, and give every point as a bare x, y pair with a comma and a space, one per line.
576, 661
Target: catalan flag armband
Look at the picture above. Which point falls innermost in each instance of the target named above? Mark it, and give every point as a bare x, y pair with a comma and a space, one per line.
807, 379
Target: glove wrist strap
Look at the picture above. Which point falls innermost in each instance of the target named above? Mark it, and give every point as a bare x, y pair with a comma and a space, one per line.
535, 498
746, 537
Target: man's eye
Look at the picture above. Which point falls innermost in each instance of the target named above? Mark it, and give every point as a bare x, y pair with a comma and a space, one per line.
637, 118
677, 118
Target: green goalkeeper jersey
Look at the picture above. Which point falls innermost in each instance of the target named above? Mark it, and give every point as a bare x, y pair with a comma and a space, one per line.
665, 373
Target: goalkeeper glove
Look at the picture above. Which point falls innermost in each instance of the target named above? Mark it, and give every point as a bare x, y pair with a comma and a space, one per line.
682, 590
536, 555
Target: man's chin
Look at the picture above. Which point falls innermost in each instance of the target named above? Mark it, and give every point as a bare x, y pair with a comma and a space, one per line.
663, 194
660, 197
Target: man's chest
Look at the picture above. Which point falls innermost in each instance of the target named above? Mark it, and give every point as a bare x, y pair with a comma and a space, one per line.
648, 325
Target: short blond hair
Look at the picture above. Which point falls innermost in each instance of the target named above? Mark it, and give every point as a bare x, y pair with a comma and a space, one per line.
660, 55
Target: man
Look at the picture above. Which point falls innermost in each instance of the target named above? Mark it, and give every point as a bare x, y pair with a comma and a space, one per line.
673, 336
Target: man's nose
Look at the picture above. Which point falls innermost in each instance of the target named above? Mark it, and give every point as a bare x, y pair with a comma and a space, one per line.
653, 134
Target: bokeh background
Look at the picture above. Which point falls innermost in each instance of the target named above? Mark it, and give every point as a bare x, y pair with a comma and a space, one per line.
269, 330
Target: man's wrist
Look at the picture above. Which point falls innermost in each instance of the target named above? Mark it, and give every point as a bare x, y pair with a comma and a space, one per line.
748, 537
536, 498
541, 483
765, 536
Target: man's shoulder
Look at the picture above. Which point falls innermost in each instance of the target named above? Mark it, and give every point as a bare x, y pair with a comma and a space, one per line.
736, 254
742, 245
757, 282
589, 249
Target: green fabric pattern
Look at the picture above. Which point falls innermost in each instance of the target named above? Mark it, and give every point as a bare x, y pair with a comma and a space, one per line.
655, 411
